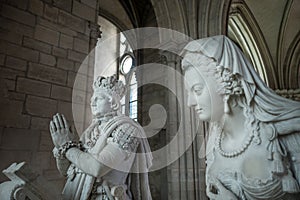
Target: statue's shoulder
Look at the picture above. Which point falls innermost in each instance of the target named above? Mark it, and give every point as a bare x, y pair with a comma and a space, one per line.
125, 123
125, 133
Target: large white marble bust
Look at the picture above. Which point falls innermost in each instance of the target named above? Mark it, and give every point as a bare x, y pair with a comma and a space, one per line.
253, 150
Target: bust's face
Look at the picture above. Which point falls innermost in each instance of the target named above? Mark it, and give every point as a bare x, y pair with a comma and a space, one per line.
202, 91
100, 104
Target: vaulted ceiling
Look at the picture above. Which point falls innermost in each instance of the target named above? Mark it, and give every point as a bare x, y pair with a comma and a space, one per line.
276, 21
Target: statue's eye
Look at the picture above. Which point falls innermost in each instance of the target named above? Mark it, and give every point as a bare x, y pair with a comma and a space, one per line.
92, 99
101, 97
198, 89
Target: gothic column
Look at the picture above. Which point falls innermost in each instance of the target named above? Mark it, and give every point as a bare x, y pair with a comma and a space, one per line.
186, 176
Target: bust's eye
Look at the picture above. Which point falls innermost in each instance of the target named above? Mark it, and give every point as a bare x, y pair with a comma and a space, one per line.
100, 97
198, 89
92, 99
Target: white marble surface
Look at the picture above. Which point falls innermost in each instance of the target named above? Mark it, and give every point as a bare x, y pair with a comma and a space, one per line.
244, 157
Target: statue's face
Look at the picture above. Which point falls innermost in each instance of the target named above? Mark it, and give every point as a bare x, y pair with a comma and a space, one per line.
202, 93
100, 104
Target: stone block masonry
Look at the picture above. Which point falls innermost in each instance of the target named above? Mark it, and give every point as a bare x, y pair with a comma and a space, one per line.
11, 114
37, 106
47, 59
30, 139
18, 15
22, 4
51, 13
36, 7
59, 52
62, 93
18, 51
90, 3
40, 43
65, 64
71, 21
34, 87
66, 41
81, 45
2, 59
46, 35
16, 63
83, 11
76, 56
48, 74
10, 36
16, 27
65, 5
37, 45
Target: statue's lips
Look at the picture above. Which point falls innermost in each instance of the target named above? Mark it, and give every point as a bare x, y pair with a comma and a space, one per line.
199, 110
93, 108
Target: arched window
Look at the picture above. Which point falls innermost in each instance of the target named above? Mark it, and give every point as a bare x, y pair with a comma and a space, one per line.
243, 29
117, 57
130, 101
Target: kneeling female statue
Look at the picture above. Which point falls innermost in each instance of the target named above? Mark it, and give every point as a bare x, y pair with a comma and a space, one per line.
112, 157
253, 149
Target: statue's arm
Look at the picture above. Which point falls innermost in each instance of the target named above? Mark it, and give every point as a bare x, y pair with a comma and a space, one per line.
120, 147
110, 155
216, 191
61, 134
62, 166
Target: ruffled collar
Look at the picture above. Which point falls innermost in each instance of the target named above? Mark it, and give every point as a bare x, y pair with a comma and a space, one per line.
104, 118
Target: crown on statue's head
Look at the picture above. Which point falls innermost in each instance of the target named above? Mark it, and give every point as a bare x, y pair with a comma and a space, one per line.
110, 84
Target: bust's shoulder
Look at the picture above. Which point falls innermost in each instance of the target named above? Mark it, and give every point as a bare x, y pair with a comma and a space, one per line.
125, 123
126, 135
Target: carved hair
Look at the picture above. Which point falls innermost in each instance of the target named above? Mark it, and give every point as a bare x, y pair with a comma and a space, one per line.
231, 84
111, 87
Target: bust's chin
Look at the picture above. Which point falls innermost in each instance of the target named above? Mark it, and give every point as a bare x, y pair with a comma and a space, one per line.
94, 112
204, 118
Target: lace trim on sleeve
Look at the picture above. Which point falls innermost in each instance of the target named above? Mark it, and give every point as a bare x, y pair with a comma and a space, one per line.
125, 137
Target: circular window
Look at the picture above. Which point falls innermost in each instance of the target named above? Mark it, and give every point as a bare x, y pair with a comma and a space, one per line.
127, 63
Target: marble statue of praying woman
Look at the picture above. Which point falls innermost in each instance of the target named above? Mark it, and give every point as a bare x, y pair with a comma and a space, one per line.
253, 149
112, 157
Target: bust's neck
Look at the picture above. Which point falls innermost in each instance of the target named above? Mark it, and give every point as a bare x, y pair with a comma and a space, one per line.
234, 124
106, 117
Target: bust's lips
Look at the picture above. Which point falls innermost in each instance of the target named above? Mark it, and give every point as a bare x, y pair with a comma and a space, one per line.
199, 110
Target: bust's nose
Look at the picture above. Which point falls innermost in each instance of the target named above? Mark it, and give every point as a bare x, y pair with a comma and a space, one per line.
93, 101
191, 100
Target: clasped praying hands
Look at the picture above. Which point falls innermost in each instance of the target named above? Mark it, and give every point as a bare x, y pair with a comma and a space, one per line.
60, 131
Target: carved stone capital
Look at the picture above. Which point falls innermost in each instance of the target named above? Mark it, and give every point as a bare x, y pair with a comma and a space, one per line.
95, 30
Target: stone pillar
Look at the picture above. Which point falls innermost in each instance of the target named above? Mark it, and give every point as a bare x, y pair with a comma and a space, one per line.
186, 176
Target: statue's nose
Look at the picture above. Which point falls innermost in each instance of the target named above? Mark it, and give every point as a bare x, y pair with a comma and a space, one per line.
191, 101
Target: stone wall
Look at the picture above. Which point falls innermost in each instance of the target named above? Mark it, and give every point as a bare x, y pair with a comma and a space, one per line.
42, 44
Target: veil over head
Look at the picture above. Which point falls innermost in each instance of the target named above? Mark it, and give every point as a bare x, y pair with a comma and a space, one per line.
267, 105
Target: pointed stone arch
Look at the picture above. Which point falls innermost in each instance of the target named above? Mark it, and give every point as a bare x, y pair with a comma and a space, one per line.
244, 30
